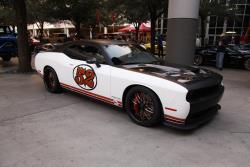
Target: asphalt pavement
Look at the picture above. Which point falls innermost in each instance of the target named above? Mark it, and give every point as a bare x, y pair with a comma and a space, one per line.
40, 129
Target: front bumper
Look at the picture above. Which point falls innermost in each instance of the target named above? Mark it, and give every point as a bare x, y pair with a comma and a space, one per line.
202, 109
193, 122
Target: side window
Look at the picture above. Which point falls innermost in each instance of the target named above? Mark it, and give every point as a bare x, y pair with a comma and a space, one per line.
84, 52
8, 31
1, 30
73, 52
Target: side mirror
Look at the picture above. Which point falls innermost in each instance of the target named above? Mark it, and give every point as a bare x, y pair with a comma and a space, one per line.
93, 60
116, 61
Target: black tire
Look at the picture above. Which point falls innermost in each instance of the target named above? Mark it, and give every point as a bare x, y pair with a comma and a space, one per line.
6, 58
198, 60
143, 106
148, 50
51, 81
247, 64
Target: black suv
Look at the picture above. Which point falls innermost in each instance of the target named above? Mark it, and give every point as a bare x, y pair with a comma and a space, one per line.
8, 43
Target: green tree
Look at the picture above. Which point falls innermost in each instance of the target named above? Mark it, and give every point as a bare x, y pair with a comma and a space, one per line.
39, 12
137, 15
110, 12
155, 8
7, 15
80, 12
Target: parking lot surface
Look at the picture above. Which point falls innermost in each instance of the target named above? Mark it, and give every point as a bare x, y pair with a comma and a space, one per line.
39, 129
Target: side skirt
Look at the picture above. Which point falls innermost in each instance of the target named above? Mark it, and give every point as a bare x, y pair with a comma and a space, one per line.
92, 95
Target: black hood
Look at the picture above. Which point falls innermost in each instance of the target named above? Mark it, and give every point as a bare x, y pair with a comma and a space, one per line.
187, 76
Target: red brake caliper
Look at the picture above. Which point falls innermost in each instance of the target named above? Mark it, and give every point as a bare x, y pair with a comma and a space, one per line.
136, 103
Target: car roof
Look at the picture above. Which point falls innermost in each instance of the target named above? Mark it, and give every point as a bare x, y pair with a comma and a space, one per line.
91, 42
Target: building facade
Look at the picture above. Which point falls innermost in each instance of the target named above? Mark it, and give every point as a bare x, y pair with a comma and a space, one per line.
236, 25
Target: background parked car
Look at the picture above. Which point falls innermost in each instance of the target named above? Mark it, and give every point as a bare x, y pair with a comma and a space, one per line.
243, 48
47, 47
114, 36
58, 38
148, 47
232, 57
8, 43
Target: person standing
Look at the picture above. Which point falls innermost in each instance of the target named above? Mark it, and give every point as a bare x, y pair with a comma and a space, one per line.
160, 45
220, 54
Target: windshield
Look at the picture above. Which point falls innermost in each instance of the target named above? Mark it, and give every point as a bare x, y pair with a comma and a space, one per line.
4, 30
231, 50
129, 54
245, 47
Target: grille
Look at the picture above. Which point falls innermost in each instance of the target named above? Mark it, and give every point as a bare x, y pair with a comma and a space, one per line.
194, 95
204, 103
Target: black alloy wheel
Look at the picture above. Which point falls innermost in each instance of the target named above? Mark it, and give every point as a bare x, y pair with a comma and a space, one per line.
143, 106
6, 58
198, 60
247, 64
51, 81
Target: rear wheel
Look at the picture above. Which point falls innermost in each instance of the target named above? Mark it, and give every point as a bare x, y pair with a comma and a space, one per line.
51, 81
6, 58
198, 60
148, 50
247, 64
143, 106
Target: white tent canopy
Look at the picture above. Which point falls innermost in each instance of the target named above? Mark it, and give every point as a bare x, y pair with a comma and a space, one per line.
58, 25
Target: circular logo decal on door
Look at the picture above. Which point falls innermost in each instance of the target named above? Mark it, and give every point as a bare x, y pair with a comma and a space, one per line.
85, 77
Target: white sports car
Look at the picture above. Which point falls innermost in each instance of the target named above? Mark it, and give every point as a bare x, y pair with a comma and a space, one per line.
127, 76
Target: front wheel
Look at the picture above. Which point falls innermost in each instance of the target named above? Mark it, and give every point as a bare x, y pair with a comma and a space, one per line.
143, 106
198, 60
247, 64
51, 81
6, 58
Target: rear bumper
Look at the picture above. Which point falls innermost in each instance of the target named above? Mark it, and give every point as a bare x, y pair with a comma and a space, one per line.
7, 53
202, 110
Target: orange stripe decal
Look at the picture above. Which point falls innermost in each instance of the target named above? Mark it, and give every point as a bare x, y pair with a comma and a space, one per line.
174, 119
175, 122
92, 95
170, 109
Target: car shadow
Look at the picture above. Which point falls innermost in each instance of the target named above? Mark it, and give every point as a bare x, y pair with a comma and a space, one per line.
7, 64
161, 127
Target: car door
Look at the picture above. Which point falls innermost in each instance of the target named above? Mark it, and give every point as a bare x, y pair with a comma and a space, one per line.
211, 54
85, 76
231, 56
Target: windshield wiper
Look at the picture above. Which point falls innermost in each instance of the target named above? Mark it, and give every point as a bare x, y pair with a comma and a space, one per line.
132, 63
155, 61
152, 62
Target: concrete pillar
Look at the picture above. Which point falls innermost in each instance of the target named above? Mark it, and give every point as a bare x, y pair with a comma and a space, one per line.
90, 33
67, 32
105, 30
157, 25
182, 29
225, 25
34, 32
207, 30
162, 23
